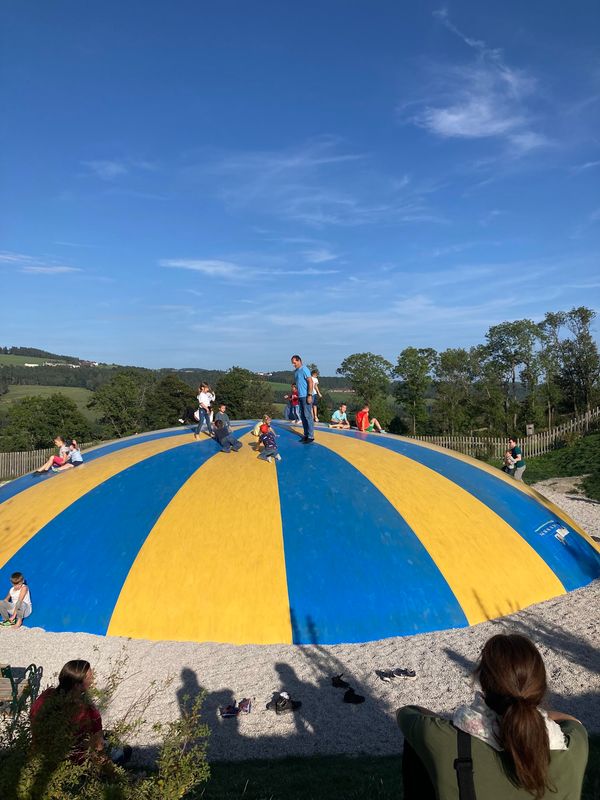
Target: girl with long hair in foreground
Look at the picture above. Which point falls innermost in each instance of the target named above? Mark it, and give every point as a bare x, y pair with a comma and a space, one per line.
519, 751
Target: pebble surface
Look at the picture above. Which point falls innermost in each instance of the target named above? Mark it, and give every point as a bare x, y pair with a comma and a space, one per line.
566, 630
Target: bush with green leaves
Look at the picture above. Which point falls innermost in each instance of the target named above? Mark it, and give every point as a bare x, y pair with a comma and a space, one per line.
40, 768
33, 422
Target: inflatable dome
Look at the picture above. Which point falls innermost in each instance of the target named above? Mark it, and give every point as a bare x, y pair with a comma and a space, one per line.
354, 538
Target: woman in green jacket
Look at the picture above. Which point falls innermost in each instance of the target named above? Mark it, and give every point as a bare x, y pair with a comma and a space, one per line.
519, 751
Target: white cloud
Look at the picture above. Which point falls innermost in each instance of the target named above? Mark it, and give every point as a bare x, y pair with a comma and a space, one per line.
59, 269
484, 99
34, 265
228, 270
106, 169
472, 116
320, 256
213, 268
587, 165
15, 258
528, 140
316, 184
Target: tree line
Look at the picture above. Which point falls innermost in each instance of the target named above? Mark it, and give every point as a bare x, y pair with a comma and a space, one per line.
525, 372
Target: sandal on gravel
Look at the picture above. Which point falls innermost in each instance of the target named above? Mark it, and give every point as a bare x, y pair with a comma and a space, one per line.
387, 676
405, 673
245, 705
351, 697
229, 711
339, 683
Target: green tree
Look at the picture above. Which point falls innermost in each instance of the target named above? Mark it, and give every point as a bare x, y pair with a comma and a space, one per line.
166, 401
549, 360
580, 363
454, 378
413, 369
246, 395
326, 406
511, 345
33, 422
368, 375
122, 402
489, 394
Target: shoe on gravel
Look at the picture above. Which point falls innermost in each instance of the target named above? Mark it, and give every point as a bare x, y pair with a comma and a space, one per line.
245, 705
387, 676
283, 704
229, 711
351, 697
405, 673
339, 683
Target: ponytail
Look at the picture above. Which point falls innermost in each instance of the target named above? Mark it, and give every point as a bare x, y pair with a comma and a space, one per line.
524, 737
513, 680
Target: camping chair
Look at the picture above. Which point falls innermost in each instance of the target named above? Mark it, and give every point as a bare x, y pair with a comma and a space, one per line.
15, 691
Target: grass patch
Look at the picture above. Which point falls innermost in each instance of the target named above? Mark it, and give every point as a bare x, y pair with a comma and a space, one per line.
19, 361
78, 394
580, 458
316, 778
334, 778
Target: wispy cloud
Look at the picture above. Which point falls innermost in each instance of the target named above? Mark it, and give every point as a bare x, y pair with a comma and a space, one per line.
585, 166
317, 184
320, 256
482, 99
34, 265
109, 169
106, 169
59, 269
228, 270
212, 268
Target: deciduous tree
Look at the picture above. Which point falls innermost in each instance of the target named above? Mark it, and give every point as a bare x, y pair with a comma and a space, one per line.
414, 371
33, 422
122, 402
246, 395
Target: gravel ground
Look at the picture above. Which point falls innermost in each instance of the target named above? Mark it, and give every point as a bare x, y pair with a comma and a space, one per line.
566, 629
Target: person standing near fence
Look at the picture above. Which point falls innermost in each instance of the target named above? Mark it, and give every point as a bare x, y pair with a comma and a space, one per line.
517, 456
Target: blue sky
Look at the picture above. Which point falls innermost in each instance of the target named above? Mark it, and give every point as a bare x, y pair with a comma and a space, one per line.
208, 184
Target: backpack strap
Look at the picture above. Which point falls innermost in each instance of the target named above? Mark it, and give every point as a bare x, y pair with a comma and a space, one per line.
464, 767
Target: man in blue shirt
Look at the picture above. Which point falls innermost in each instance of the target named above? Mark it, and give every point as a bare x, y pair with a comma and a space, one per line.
304, 384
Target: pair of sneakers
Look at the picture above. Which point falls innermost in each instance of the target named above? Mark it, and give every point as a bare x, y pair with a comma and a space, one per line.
350, 695
282, 703
389, 675
243, 707
277, 457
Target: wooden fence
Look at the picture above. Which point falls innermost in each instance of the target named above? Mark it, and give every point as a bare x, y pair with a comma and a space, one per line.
535, 445
13, 465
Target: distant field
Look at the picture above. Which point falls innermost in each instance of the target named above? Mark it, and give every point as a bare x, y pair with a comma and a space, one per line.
79, 395
18, 361
337, 395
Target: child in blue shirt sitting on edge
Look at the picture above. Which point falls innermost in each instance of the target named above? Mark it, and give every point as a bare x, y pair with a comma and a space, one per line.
227, 441
267, 439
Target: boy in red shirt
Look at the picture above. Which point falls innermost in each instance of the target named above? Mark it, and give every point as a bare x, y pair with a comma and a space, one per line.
364, 424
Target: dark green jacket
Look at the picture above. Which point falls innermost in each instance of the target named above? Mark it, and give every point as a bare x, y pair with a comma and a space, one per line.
434, 740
